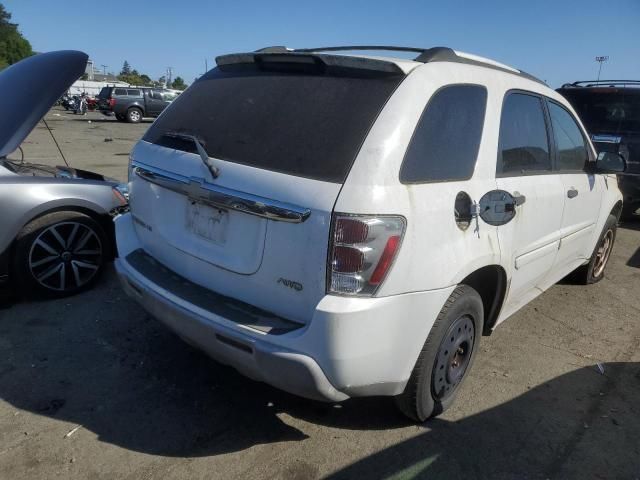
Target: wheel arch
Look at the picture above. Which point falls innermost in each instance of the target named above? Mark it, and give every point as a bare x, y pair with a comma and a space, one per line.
490, 282
617, 209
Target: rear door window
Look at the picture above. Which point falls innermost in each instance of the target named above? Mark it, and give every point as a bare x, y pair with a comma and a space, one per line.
134, 93
570, 144
304, 123
524, 142
446, 140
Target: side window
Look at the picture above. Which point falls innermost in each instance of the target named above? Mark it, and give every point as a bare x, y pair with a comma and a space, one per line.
134, 93
446, 140
570, 144
524, 144
119, 91
155, 94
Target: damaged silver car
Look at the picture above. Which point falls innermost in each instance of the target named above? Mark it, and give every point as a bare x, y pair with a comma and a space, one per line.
56, 229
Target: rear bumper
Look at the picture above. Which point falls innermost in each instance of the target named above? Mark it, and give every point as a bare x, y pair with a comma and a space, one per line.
351, 347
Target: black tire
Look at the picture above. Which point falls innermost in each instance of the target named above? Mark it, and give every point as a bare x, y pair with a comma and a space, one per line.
593, 272
39, 252
432, 388
134, 115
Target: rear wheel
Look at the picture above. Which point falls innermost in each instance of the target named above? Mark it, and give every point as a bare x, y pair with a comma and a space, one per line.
134, 115
446, 356
593, 272
59, 254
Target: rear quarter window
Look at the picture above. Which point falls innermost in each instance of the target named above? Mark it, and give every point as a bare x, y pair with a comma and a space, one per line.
445, 143
120, 91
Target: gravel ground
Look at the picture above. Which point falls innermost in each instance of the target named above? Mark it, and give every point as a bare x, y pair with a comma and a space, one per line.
91, 387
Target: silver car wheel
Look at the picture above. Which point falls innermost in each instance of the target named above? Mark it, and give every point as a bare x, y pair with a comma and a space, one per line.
65, 256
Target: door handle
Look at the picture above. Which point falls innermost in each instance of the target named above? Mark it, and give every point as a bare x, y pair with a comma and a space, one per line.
572, 193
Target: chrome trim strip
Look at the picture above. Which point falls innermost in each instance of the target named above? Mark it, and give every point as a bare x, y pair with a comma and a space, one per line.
202, 191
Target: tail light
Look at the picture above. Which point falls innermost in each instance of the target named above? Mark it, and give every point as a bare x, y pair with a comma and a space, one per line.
112, 102
362, 251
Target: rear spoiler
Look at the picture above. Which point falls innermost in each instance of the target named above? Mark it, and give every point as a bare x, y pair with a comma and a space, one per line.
308, 59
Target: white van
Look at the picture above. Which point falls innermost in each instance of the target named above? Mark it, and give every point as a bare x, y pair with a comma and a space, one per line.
340, 225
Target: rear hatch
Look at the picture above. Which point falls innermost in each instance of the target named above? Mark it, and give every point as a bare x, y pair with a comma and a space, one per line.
612, 117
283, 132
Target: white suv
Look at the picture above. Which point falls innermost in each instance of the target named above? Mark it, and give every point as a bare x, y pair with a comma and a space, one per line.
342, 225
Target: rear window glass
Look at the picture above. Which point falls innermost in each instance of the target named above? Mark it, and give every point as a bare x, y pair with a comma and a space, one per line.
308, 124
104, 93
445, 143
606, 110
524, 143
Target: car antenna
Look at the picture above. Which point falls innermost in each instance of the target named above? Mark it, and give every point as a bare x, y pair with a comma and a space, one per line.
55, 141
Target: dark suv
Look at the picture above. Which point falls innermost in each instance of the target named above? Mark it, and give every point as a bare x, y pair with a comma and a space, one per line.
610, 110
131, 104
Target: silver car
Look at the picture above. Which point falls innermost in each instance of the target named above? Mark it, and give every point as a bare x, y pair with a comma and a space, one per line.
56, 229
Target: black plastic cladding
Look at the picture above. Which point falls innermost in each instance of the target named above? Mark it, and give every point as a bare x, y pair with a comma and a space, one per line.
426, 55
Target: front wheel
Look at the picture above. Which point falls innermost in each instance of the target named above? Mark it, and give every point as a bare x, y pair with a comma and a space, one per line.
60, 254
446, 356
593, 272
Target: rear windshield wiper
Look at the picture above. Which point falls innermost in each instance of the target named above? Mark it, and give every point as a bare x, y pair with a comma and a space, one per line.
215, 171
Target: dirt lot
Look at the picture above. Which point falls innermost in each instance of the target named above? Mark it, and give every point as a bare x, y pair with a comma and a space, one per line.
91, 387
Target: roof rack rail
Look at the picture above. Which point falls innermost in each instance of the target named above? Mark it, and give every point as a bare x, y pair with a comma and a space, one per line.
425, 55
592, 83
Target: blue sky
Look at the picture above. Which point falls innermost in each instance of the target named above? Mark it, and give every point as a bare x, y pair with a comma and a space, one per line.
554, 40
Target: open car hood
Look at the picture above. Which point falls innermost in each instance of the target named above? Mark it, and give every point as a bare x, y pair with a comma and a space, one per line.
30, 88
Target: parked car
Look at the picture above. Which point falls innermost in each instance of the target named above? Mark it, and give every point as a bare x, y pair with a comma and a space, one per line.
132, 104
342, 225
610, 110
56, 231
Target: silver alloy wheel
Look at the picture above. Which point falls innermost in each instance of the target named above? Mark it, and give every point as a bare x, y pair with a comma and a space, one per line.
65, 256
135, 115
602, 255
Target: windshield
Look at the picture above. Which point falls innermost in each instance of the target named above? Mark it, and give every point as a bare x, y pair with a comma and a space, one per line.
610, 110
308, 124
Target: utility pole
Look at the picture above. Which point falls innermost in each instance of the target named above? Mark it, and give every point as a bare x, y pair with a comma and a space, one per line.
104, 69
169, 74
601, 60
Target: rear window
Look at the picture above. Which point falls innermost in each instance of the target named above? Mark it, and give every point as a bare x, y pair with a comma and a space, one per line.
308, 124
606, 110
104, 93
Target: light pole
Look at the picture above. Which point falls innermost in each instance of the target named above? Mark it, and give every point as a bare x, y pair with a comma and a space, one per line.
104, 69
601, 60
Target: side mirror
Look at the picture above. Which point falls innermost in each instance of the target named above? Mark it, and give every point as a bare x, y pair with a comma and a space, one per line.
610, 162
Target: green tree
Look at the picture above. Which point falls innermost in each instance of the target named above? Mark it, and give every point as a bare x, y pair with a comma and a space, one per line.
13, 46
178, 84
126, 69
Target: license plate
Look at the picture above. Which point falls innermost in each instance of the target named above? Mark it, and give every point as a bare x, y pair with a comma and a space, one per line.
207, 222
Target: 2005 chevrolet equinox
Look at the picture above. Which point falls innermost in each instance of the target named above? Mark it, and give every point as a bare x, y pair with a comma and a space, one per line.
342, 225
